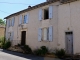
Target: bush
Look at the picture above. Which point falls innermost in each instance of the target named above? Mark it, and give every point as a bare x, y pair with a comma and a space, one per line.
2, 42
60, 53
42, 51
7, 44
37, 52
27, 48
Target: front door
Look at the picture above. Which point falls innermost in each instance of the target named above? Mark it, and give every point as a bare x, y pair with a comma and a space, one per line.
23, 37
69, 42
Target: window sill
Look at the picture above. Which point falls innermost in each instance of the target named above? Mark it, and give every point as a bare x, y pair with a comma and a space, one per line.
45, 41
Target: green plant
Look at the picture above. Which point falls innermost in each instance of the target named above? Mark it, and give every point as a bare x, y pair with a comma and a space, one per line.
37, 52
7, 44
60, 53
42, 51
2, 41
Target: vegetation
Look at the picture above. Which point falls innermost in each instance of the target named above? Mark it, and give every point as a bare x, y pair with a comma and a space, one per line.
2, 42
60, 53
42, 51
27, 49
2, 22
7, 44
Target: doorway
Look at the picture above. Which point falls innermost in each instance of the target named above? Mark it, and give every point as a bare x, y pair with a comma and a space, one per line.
69, 42
23, 37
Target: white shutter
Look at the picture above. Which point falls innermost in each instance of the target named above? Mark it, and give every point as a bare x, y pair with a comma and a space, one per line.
27, 18
8, 23
40, 14
50, 33
39, 34
50, 11
13, 21
20, 19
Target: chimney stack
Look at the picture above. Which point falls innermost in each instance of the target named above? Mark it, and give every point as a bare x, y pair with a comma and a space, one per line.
29, 6
48, 0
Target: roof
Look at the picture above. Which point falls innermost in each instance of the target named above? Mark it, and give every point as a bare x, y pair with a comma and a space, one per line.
40, 5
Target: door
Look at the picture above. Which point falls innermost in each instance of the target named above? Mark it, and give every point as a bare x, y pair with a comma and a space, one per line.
69, 42
23, 37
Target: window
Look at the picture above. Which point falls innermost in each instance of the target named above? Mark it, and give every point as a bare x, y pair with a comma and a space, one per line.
25, 19
45, 34
46, 13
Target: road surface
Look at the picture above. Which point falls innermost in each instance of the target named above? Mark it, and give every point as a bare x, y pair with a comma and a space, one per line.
8, 55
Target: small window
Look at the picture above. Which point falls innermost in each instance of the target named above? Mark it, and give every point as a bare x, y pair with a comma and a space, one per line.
46, 13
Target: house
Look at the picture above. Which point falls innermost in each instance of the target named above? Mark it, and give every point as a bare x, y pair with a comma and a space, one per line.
2, 30
54, 24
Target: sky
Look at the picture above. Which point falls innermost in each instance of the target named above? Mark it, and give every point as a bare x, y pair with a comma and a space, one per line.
8, 7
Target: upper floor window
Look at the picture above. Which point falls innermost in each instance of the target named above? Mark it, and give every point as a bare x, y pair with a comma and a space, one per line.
25, 18
11, 22
48, 13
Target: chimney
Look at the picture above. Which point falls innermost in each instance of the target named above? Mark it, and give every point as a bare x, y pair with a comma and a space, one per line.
48, 0
29, 6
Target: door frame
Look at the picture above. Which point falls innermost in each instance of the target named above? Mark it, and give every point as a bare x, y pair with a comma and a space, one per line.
72, 42
25, 29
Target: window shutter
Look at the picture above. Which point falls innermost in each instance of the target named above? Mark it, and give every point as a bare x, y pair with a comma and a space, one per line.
39, 34
12, 21
50, 11
50, 33
8, 23
20, 19
40, 14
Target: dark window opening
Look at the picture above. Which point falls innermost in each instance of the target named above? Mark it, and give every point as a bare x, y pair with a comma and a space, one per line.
69, 33
46, 14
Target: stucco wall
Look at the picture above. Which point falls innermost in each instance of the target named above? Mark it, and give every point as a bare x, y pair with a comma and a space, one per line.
69, 20
32, 28
66, 17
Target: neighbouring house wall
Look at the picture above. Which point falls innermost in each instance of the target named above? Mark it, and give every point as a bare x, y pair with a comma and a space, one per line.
69, 20
2, 30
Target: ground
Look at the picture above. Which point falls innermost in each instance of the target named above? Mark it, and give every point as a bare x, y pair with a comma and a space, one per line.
8, 55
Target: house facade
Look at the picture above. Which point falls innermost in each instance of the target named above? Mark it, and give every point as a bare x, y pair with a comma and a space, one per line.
54, 24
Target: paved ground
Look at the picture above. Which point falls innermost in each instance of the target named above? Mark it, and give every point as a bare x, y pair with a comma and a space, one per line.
8, 55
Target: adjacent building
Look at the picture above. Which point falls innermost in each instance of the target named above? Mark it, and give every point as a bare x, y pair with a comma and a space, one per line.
2, 30
54, 24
